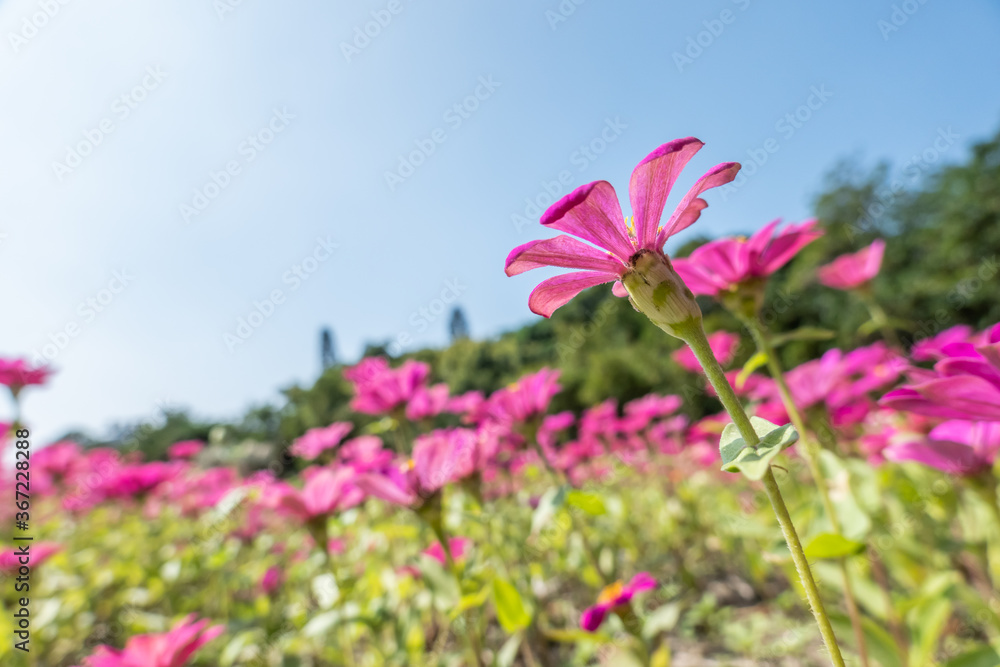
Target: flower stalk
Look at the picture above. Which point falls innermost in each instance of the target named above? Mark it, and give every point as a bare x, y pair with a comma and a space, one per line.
810, 451
694, 335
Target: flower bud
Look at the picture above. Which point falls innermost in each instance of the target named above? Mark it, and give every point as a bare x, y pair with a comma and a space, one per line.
656, 290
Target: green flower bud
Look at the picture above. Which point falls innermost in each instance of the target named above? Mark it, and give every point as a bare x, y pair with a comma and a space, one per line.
657, 291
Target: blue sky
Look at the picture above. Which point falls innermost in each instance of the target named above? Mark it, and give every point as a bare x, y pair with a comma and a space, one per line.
167, 169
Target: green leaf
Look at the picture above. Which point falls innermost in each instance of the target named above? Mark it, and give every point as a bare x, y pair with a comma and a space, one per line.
753, 462
550, 501
831, 545
590, 503
508, 652
510, 608
752, 364
470, 601
803, 333
984, 656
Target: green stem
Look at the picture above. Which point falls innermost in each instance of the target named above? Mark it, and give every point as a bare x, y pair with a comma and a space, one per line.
694, 335
471, 637
810, 450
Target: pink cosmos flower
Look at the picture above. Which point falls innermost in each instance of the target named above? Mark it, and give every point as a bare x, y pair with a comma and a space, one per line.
524, 399
853, 270
613, 597
458, 546
186, 449
955, 447
932, 348
592, 213
380, 389
965, 383
726, 265
271, 580
140, 478
326, 492
365, 453
723, 344
427, 402
18, 374
38, 553
315, 441
170, 649
439, 457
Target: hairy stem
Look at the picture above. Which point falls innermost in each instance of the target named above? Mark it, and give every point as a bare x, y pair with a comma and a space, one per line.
694, 335
810, 450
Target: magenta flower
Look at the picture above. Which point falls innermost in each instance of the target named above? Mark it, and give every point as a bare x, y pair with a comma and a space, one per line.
522, 400
326, 492
439, 457
18, 374
140, 478
592, 212
458, 546
30, 554
615, 598
380, 389
955, 447
365, 453
315, 441
932, 349
965, 383
170, 649
427, 402
723, 344
853, 270
729, 264
271, 580
186, 449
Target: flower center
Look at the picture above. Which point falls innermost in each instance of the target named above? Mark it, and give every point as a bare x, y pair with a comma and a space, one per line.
610, 593
630, 225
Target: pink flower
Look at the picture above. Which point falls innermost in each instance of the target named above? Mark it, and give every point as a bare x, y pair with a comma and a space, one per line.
933, 348
18, 374
380, 389
427, 402
853, 270
365, 454
37, 553
171, 649
965, 383
271, 580
458, 546
723, 344
613, 597
139, 478
524, 399
726, 265
955, 447
315, 441
592, 212
186, 449
440, 457
326, 492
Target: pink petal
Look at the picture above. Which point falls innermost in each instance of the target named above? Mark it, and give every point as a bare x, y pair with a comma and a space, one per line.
618, 289
643, 581
384, 488
718, 175
555, 292
563, 251
697, 280
593, 213
951, 457
651, 182
593, 617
